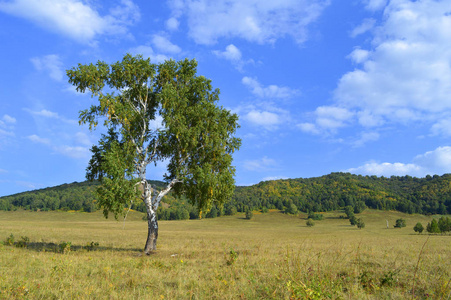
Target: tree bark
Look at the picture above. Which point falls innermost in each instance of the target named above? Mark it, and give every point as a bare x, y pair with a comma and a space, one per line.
152, 233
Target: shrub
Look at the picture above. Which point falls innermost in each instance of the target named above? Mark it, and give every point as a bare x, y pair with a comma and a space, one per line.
249, 215
418, 228
231, 258
353, 220
23, 242
265, 210
314, 216
400, 223
9, 240
360, 224
91, 246
432, 227
309, 223
64, 247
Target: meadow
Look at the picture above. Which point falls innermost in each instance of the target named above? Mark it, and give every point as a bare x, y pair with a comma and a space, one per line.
75, 255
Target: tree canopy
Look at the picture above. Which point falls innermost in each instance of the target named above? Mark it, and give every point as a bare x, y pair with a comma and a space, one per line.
195, 137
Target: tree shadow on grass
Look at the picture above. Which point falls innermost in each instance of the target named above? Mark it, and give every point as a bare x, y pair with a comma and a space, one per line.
64, 247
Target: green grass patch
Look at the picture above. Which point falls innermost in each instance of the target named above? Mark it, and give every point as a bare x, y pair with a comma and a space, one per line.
272, 256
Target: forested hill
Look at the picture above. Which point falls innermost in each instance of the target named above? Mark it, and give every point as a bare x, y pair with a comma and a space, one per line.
429, 195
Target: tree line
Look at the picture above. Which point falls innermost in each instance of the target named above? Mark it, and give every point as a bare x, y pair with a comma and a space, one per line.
429, 195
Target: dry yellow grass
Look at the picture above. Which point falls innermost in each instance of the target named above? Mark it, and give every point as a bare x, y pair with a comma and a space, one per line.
272, 256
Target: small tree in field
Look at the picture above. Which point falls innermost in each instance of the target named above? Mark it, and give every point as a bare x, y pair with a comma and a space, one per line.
418, 228
360, 224
400, 223
309, 223
196, 136
249, 214
432, 227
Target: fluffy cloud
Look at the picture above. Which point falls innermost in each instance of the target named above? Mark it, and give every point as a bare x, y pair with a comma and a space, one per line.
8, 119
437, 161
406, 76
36, 139
327, 120
231, 53
50, 63
147, 51
73, 18
259, 165
164, 45
263, 118
271, 91
366, 25
374, 4
255, 21
172, 24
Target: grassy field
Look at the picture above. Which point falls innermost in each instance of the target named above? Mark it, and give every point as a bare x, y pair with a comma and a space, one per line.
272, 256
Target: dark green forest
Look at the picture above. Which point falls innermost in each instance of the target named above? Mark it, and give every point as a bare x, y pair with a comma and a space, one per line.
429, 195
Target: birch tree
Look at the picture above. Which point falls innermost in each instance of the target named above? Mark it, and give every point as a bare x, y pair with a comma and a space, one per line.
196, 136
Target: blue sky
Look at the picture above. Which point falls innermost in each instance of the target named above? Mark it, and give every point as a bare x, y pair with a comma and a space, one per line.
320, 86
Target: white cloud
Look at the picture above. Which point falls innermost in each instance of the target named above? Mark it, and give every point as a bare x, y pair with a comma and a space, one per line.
231, 53
164, 45
270, 178
36, 139
83, 138
406, 76
271, 91
147, 51
69, 151
73, 18
442, 127
51, 115
359, 55
73, 152
365, 138
387, 169
255, 21
327, 120
9, 119
366, 25
172, 24
374, 5
263, 118
437, 161
259, 165
50, 63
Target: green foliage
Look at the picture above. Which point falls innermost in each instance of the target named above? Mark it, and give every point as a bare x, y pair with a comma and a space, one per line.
349, 211
230, 210
291, 209
64, 247
196, 137
9, 241
418, 227
338, 190
314, 216
248, 214
92, 246
360, 224
309, 223
231, 257
400, 223
432, 227
444, 224
353, 220
264, 210
24, 240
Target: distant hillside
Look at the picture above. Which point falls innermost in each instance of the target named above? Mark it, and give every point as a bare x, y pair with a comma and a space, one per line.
429, 195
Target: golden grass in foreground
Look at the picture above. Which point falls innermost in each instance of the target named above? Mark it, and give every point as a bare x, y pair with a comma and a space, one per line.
272, 256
